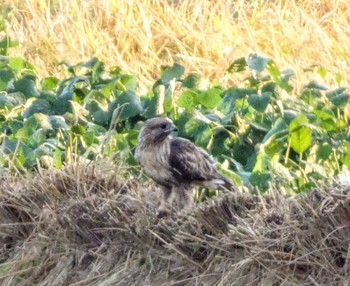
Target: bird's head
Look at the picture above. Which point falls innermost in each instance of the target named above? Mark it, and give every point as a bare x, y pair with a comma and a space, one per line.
155, 130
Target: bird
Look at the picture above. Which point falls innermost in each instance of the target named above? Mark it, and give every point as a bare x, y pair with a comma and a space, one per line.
175, 164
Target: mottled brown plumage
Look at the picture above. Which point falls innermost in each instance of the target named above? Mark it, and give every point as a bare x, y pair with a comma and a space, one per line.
175, 164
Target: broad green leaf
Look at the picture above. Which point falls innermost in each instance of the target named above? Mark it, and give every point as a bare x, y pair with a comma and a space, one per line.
60, 106
188, 99
36, 139
7, 43
49, 84
27, 87
79, 95
150, 105
329, 124
126, 82
310, 96
260, 179
191, 81
96, 96
300, 135
301, 139
263, 162
324, 151
48, 96
93, 134
96, 129
122, 142
66, 92
182, 120
98, 113
132, 137
238, 65
40, 152
257, 62
270, 87
220, 143
78, 129
11, 100
335, 92
278, 127
169, 73
97, 70
325, 119
6, 75
29, 127
316, 85
198, 131
37, 106
300, 121
115, 71
259, 102
17, 64
230, 96
210, 98
340, 99
11, 126
58, 122
10, 145
57, 158
128, 103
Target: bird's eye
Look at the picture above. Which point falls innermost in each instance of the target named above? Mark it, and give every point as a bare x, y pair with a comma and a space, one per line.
164, 125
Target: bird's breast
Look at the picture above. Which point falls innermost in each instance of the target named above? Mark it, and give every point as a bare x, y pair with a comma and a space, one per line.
155, 161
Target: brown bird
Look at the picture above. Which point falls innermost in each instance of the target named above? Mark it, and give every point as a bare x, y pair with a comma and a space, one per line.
175, 164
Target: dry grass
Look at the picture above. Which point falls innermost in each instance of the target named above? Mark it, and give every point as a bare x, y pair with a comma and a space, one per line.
84, 226
206, 36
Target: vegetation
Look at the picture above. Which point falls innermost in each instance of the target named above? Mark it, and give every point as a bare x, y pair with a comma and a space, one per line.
259, 129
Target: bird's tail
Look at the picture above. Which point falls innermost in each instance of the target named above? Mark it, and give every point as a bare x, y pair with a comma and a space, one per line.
228, 184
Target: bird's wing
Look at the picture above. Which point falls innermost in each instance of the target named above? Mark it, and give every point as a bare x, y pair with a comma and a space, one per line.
190, 163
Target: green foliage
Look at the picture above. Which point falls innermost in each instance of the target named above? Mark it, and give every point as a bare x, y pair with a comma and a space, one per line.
260, 132
5, 42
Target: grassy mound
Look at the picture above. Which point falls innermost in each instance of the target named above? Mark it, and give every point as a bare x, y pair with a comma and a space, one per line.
86, 226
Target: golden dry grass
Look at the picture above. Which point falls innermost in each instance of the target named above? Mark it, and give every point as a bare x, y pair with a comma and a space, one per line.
205, 36
84, 226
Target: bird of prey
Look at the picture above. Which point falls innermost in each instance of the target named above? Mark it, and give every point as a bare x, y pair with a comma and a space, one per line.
175, 164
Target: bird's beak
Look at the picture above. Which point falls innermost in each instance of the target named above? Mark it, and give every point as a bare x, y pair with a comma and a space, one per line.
173, 128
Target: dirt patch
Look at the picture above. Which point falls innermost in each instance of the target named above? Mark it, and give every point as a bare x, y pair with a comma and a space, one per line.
84, 226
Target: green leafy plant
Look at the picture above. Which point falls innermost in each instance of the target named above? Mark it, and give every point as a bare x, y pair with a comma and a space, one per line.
260, 132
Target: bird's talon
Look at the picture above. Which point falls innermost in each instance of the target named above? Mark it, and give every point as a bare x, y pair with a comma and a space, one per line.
163, 213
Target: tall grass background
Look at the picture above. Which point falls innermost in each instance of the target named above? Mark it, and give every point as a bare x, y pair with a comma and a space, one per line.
205, 36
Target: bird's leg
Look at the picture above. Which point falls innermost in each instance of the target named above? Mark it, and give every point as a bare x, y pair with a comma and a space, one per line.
184, 200
167, 199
